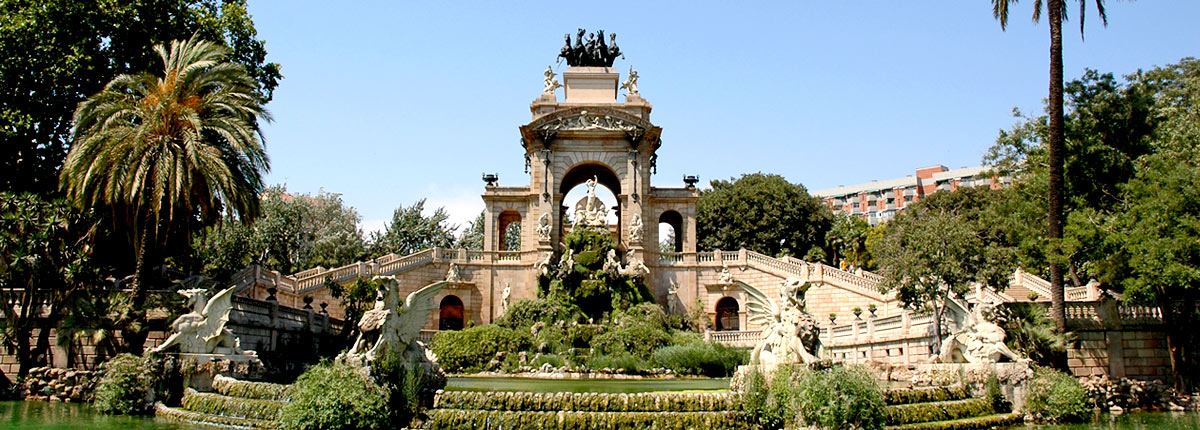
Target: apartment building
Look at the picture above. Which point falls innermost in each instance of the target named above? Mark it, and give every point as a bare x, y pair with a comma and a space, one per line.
879, 201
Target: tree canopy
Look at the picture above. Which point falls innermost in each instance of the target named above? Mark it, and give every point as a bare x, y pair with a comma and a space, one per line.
411, 231
763, 213
56, 53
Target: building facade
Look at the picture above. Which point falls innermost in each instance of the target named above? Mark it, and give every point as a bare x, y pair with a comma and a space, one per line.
879, 201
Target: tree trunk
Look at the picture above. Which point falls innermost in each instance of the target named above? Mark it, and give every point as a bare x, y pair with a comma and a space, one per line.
134, 339
1057, 146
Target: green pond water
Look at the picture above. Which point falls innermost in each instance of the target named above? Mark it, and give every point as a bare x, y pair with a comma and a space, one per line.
585, 385
74, 416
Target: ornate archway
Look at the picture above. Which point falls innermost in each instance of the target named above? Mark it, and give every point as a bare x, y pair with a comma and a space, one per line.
450, 313
727, 314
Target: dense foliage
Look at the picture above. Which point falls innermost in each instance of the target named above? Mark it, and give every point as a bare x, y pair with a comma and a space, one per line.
840, 397
582, 277
1056, 396
763, 213
411, 231
293, 232
526, 313
474, 348
55, 53
332, 396
45, 257
703, 358
126, 386
939, 247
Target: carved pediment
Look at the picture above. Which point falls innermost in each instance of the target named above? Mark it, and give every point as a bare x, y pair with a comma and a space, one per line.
589, 121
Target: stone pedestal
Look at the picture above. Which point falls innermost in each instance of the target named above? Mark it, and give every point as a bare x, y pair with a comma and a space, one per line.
200, 369
590, 85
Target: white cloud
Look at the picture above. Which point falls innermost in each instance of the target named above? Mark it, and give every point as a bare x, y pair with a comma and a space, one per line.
373, 225
462, 204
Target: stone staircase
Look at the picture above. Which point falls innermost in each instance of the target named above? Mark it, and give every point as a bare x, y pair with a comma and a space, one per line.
940, 408
233, 404
583, 411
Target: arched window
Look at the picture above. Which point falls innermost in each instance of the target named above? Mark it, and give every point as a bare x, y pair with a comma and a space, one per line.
727, 314
670, 232
451, 315
510, 231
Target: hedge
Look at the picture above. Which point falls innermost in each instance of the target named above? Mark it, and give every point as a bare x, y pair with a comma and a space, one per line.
236, 407
250, 390
475, 347
922, 395
1056, 396
985, 422
513, 420
335, 396
589, 402
937, 411
126, 386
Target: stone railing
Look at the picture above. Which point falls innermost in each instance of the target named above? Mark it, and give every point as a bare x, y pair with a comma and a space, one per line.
1110, 314
866, 284
738, 338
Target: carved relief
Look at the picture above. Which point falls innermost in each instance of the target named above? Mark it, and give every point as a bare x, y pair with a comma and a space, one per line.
587, 121
636, 229
544, 227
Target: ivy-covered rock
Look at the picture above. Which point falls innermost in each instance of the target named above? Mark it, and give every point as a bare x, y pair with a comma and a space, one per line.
474, 348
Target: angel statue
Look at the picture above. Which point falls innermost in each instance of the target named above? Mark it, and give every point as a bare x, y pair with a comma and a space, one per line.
630, 84
202, 331
790, 335
550, 84
393, 325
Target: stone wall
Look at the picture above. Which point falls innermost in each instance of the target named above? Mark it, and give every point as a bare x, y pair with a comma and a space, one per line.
1135, 353
67, 385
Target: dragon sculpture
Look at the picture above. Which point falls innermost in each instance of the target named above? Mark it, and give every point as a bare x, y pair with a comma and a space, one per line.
393, 325
978, 339
790, 334
202, 331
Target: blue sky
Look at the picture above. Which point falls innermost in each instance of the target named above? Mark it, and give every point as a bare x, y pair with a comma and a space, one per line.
387, 102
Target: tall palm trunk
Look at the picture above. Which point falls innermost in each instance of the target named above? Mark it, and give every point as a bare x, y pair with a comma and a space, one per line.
1057, 146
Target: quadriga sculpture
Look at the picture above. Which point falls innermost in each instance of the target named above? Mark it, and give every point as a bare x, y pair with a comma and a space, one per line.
394, 326
790, 334
202, 331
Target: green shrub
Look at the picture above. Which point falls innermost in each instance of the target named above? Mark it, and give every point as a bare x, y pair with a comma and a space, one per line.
526, 313
126, 386
639, 340
580, 336
553, 337
686, 337
771, 404
473, 348
920, 395
840, 397
704, 358
628, 363
645, 314
552, 359
994, 394
1056, 396
334, 396
937, 411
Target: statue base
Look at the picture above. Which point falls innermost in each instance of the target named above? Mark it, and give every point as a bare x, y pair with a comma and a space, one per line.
200, 369
1013, 377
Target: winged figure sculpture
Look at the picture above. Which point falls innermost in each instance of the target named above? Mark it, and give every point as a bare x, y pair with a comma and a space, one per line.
393, 325
790, 335
202, 331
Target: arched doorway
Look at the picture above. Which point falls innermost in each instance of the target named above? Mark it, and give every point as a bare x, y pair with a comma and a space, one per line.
727, 314
670, 232
450, 316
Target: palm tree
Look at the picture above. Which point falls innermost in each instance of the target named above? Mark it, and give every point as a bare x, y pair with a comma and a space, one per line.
1056, 14
167, 154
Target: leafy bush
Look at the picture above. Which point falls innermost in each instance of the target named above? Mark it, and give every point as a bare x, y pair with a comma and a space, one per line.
333, 396
704, 358
526, 313
938, 411
647, 314
475, 347
580, 336
126, 386
1056, 396
551, 359
772, 402
629, 363
994, 394
638, 340
840, 397
686, 337
921, 395
553, 338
